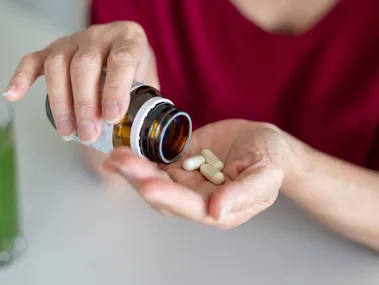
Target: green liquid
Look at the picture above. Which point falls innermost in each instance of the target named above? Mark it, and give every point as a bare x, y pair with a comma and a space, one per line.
9, 219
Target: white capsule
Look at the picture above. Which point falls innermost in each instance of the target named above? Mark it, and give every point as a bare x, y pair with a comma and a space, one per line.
212, 174
212, 159
193, 163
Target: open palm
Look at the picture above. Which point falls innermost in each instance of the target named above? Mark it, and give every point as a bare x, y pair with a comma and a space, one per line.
252, 153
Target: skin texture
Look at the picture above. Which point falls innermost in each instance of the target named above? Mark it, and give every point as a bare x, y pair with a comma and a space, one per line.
72, 66
291, 17
260, 159
253, 175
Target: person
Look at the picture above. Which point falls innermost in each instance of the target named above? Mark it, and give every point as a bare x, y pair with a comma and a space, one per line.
285, 92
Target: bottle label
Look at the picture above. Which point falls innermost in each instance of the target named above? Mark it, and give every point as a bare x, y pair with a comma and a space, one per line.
104, 143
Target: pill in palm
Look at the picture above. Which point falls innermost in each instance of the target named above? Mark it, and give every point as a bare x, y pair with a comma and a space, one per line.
193, 163
212, 173
212, 159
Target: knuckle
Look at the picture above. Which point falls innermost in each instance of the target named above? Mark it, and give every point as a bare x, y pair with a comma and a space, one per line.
123, 55
93, 28
135, 27
26, 59
85, 59
128, 30
83, 105
29, 59
23, 75
271, 127
89, 54
56, 60
140, 36
59, 107
92, 32
129, 26
61, 41
95, 31
56, 104
74, 37
139, 42
112, 86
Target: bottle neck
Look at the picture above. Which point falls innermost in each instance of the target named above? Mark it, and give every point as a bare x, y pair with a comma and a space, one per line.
165, 133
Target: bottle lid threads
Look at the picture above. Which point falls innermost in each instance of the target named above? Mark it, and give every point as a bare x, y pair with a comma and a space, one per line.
165, 133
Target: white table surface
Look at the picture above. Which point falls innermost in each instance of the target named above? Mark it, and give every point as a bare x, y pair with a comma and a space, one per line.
81, 232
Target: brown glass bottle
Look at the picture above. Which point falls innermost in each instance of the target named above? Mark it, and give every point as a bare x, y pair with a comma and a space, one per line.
152, 127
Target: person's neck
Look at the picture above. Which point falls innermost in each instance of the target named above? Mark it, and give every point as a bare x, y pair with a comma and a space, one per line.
285, 16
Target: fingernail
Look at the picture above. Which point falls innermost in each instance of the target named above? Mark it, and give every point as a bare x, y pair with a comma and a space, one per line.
119, 168
9, 91
87, 132
153, 200
111, 111
226, 209
167, 213
114, 163
66, 129
110, 166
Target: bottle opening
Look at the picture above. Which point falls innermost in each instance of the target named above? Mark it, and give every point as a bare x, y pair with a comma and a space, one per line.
165, 134
175, 136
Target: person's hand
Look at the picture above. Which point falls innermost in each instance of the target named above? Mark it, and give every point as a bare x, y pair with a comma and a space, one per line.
72, 66
255, 155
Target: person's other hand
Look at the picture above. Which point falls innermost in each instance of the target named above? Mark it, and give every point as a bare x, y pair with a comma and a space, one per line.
72, 66
255, 157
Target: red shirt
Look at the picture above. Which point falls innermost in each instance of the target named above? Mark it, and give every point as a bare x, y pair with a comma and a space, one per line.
321, 86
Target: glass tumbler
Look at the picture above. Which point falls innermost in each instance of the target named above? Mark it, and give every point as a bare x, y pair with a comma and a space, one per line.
12, 243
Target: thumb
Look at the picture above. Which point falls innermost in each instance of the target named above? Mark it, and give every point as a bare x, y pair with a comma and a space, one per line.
255, 186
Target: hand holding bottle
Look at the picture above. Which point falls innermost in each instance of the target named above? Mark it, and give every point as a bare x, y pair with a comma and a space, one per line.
72, 66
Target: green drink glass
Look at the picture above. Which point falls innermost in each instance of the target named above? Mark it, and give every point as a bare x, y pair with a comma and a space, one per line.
12, 244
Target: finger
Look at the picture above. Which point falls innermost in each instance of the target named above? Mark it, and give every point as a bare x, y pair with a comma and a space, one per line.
85, 71
155, 186
147, 68
175, 198
121, 66
163, 211
114, 167
255, 187
57, 74
138, 169
236, 219
27, 72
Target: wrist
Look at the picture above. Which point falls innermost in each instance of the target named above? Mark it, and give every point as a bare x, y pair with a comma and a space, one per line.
300, 160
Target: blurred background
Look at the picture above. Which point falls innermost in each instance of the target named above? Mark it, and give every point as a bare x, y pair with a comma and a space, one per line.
67, 14
80, 232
